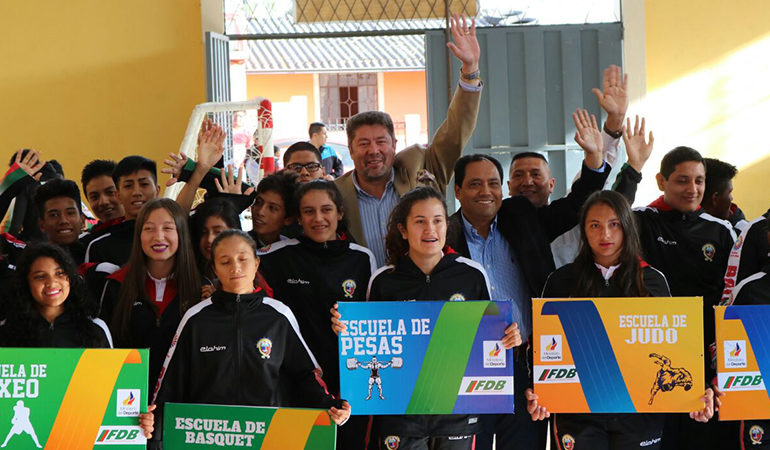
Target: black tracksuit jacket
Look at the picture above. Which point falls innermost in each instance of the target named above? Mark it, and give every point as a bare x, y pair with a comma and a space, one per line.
241, 350
691, 249
62, 333
454, 277
634, 427
310, 278
112, 245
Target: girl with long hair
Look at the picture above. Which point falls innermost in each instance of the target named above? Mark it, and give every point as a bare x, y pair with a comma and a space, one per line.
244, 348
330, 268
51, 307
145, 300
608, 264
422, 268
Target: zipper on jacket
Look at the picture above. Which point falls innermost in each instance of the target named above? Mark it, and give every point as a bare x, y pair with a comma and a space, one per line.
239, 345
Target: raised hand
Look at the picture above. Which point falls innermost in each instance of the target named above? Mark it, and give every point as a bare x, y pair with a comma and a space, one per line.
175, 164
229, 185
588, 137
614, 98
638, 148
210, 146
465, 46
30, 163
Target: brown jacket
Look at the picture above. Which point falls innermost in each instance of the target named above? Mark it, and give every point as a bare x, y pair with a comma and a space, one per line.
438, 159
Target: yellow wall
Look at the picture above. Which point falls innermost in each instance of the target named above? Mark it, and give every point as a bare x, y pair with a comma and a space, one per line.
85, 79
281, 87
405, 93
707, 87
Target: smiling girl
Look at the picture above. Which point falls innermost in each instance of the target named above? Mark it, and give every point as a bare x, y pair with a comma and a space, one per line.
422, 268
146, 299
51, 308
311, 273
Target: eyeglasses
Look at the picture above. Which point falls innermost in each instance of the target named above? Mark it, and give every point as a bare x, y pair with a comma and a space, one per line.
297, 167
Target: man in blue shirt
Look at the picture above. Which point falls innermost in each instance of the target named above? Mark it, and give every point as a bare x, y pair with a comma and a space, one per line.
511, 240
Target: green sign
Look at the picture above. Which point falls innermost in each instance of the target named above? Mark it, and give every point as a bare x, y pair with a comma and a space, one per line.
217, 426
72, 398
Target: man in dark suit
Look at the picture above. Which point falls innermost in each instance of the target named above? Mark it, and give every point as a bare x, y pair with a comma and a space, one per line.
511, 239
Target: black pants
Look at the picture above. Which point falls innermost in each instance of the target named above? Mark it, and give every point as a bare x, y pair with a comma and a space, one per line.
426, 443
606, 431
354, 434
514, 431
753, 434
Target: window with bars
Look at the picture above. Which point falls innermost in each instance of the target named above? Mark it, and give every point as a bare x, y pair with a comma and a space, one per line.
343, 95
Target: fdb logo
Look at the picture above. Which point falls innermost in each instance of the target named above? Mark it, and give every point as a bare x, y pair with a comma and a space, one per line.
128, 402
494, 354
120, 435
741, 381
550, 347
486, 386
556, 374
735, 354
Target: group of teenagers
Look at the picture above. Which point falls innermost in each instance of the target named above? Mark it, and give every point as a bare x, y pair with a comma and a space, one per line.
251, 318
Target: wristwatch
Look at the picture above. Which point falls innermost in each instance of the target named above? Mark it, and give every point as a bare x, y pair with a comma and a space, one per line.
613, 134
470, 76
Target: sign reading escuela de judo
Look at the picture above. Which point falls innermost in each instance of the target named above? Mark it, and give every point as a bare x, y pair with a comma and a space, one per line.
193, 426
743, 358
72, 398
426, 357
618, 355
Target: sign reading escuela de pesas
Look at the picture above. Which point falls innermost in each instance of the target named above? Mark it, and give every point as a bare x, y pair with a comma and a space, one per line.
618, 355
426, 357
194, 426
743, 358
72, 398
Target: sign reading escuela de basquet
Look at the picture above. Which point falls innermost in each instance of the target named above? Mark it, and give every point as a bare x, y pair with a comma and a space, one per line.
195, 426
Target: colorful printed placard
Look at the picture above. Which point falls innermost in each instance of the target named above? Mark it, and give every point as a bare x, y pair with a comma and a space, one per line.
72, 398
619, 355
194, 426
426, 357
743, 357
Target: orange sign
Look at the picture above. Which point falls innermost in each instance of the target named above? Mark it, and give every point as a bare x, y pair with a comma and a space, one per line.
619, 355
743, 342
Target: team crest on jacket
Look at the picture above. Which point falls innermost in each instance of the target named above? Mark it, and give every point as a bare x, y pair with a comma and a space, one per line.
568, 442
708, 251
391, 442
349, 286
755, 433
458, 297
265, 346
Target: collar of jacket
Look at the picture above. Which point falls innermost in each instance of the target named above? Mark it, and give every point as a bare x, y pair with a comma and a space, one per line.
63, 318
661, 205
406, 265
228, 300
335, 246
